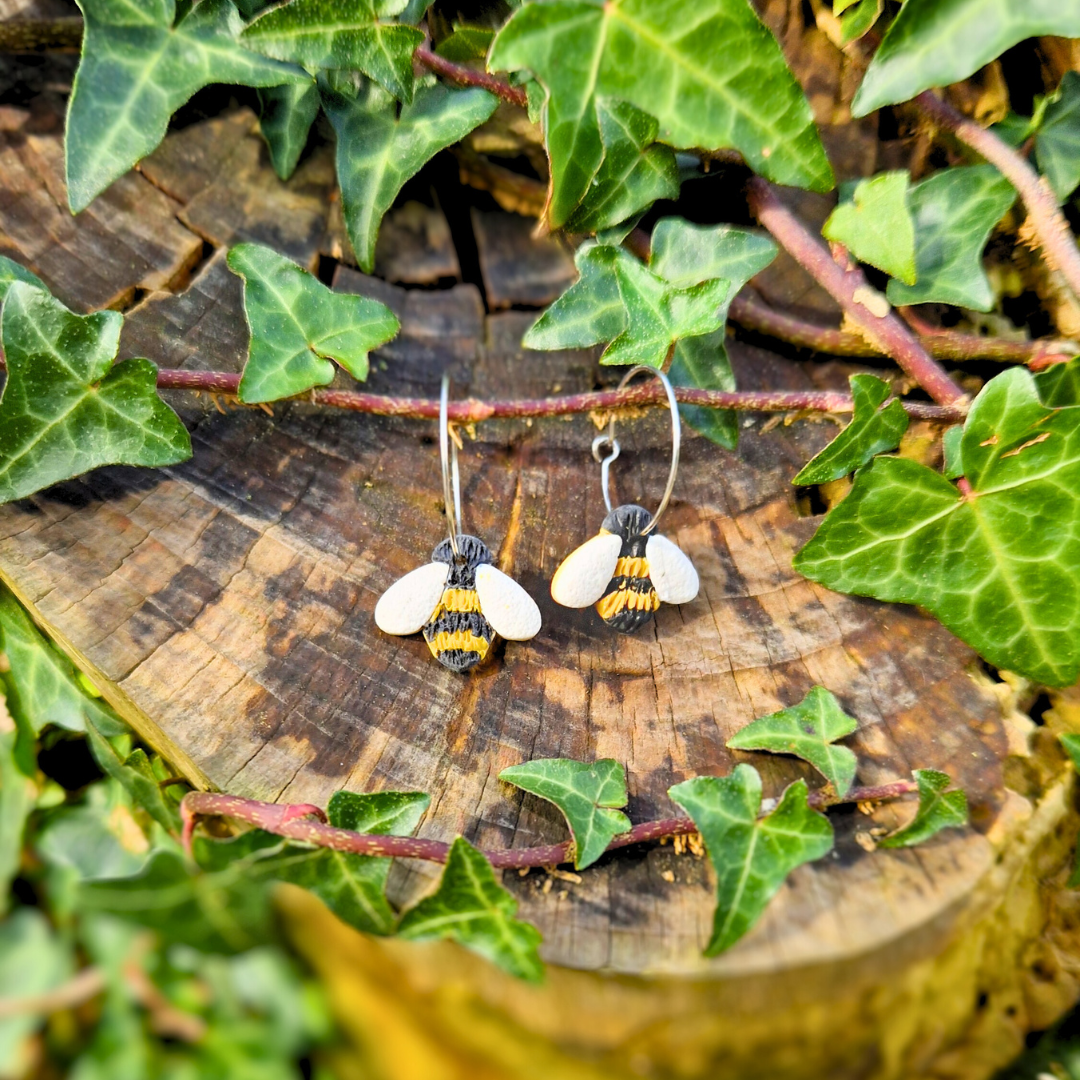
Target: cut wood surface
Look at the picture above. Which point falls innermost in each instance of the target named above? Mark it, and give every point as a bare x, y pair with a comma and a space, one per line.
225, 605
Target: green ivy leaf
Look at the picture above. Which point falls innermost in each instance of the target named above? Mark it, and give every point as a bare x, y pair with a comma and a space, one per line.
685, 254
807, 730
473, 909
940, 42
938, 809
17, 793
858, 20
951, 443
11, 271
136, 70
955, 211
634, 173
136, 776
1057, 144
872, 430
998, 567
353, 887
378, 150
286, 115
752, 856
66, 407
875, 225
584, 793
708, 70
346, 34
1059, 384
466, 43
297, 323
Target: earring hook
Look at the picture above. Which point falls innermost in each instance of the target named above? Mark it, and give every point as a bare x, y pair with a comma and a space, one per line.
610, 440
451, 478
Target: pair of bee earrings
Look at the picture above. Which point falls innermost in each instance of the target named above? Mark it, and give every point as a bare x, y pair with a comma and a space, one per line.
461, 600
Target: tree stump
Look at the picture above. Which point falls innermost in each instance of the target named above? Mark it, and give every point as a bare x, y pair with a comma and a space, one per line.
224, 607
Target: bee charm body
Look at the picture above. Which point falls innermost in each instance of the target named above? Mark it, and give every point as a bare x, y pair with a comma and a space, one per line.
460, 602
625, 572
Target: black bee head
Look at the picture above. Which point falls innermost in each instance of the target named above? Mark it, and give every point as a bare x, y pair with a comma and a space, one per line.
627, 521
472, 553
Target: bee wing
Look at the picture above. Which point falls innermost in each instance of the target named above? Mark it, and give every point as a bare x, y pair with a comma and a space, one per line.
512, 612
586, 572
409, 602
671, 572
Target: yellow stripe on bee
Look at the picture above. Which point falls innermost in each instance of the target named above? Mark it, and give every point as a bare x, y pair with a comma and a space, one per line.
623, 599
464, 600
628, 567
465, 640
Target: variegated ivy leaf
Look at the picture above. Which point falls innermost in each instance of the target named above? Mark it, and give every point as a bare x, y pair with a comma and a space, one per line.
286, 115
875, 225
298, 326
66, 407
939, 42
683, 254
807, 730
954, 211
708, 70
752, 856
635, 171
586, 794
137, 69
473, 909
997, 566
872, 431
378, 148
654, 314
350, 34
938, 809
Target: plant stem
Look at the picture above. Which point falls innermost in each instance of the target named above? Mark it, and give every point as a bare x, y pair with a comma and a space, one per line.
467, 76
852, 292
291, 822
470, 410
1044, 217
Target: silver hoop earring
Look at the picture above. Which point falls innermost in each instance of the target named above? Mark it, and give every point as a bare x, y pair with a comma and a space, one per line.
460, 600
628, 568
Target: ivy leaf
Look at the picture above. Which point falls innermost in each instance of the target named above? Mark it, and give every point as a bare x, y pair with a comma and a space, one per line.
1059, 384
378, 150
17, 793
752, 856
708, 70
136, 70
955, 211
297, 323
938, 809
473, 909
683, 254
584, 793
66, 408
286, 115
1057, 144
634, 173
871, 431
940, 42
951, 446
344, 34
466, 43
11, 271
997, 567
857, 20
807, 730
34, 959
875, 225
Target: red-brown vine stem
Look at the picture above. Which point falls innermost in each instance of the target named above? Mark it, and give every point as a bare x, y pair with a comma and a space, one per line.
467, 76
469, 410
307, 824
1046, 221
864, 305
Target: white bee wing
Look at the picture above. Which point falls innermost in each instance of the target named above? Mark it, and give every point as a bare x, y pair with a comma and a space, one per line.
671, 572
512, 612
409, 602
586, 572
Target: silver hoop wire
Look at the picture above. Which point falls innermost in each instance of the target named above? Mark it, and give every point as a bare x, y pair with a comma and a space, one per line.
609, 439
451, 478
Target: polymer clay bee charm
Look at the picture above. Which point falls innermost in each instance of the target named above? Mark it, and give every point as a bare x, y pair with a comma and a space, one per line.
627, 570
460, 600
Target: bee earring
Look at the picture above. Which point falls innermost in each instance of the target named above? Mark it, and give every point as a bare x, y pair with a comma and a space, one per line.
628, 569
459, 600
